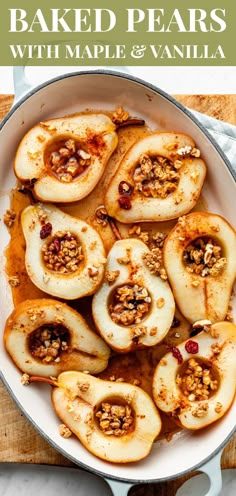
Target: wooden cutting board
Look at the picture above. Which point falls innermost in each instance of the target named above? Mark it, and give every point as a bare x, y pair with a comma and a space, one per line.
19, 442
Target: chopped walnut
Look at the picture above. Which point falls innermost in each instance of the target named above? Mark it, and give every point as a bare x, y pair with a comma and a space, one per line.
218, 407
201, 410
101, 216
130, 305
111, 275
64, 431
25, 379
155, 177
135, 230
138, 332
195, 152
123, 260
214, 333
153, 261
35, 314
185, 150
178, 197
83, 386
48, 342
158, 239
14, 281
120, 115
203, 324
115, 420
197, 382
216, 348
9, 217
68, 160
63, 253
229, 316
42, 216
203, 257
92, 271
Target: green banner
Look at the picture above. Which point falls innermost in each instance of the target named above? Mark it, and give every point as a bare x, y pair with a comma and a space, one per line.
95, 33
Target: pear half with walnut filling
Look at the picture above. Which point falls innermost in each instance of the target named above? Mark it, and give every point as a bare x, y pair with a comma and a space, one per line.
117, 422
64, 256
211, 365
159, 178
133, 308
45, 337
200, 259
66, 156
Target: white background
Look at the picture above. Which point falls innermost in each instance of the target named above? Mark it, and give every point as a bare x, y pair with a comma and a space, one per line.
179, 80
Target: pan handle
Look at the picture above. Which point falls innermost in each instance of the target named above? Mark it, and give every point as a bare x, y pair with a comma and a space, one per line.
119, 488
21, 83
213, 470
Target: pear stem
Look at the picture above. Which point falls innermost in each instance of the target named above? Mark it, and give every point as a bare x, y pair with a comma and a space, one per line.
35, 378
131, 122
114, 228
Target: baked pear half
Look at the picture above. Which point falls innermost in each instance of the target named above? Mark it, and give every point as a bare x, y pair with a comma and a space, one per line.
196, 382
159, 178
45, 337
64, 256
117, 422
133, 308
200, 260
65, 157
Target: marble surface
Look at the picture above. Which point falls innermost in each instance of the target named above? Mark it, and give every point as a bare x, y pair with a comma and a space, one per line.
41, 480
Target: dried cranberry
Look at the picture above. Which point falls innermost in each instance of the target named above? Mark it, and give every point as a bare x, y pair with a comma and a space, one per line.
124, 202
176, 353
191, 347
69, 237
46, 230
57, 244
125, 188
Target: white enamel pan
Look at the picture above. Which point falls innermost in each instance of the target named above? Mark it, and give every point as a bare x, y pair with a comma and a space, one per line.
106, 90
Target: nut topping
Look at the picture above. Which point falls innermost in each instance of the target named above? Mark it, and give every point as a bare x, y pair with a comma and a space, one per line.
115, 420
155, 177
48, 341
130, 305
197, 382
9, 218
204, 257
63, 253
69, 160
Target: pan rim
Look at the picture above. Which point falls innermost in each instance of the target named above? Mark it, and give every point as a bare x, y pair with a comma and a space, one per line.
226, 161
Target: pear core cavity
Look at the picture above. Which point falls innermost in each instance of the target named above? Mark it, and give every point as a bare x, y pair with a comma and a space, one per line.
115, 417
156, 176
130, 304
66, 158
63, 253
48, 341
203, 256
197, 379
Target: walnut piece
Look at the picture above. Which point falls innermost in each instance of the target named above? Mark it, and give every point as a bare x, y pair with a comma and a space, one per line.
64, 431
9, 218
